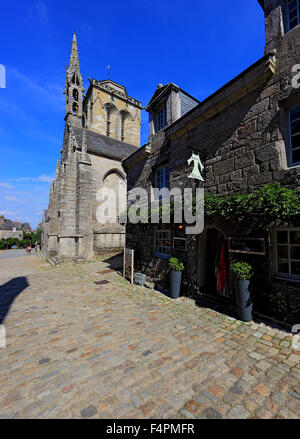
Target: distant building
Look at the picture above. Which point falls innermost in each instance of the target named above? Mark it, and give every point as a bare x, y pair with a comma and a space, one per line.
12, 229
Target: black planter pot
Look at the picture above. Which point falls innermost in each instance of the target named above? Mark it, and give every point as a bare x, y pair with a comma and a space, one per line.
244, 300
175, 284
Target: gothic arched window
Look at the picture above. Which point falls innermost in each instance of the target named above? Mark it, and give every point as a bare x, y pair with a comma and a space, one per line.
75, 94
124, 115
75, 108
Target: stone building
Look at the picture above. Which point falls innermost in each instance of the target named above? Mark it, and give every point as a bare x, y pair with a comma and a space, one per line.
12, 229
101, 129
247, 134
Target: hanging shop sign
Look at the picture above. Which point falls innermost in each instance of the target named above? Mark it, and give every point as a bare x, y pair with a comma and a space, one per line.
198, 167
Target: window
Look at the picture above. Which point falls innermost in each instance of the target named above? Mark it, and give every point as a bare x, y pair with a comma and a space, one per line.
288, 253
294, 155
108, 121
75, 95
161, 119
75, 108
162, 177
162, 244
293, 13
123, 129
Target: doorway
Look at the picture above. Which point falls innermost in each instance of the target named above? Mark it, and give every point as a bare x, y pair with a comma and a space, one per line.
217, 281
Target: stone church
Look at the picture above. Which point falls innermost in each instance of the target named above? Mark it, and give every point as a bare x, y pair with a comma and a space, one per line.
102, 128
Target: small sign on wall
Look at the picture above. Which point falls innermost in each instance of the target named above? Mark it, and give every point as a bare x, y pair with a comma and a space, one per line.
180, 244
248, 246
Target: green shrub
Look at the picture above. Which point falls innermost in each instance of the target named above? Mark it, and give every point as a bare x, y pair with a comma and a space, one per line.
241, 270
175, 264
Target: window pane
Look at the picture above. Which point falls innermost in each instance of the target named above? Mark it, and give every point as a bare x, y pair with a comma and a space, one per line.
295, 237
283, 267
283, 252
296, 268
163, 243
295, 252
294, 10
296, 156
295, 113
282, 237
295, 124
295, 141
295, 133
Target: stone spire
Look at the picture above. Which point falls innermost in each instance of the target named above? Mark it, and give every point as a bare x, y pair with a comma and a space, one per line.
74, 88
74, 58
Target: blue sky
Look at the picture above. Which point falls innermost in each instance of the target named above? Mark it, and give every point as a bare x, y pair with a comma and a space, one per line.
197, 44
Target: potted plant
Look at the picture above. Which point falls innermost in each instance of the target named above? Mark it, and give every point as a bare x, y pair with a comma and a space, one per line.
242, 273
177, 268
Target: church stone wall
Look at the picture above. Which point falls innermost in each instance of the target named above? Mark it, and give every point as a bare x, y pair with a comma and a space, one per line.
111, 173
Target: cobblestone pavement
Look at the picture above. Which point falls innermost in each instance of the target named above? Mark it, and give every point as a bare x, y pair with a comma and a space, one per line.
83, 343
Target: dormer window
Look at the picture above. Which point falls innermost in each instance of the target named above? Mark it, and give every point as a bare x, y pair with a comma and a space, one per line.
161, 119
293, 13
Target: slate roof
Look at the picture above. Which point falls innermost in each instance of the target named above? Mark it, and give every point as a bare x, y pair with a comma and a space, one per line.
9, 225
103, 145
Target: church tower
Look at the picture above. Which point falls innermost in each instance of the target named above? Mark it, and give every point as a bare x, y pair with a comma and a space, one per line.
74, 88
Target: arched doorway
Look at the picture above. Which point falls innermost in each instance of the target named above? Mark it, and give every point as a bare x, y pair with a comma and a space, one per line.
217, 281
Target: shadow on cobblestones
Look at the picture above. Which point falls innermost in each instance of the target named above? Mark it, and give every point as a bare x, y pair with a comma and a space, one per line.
8, 292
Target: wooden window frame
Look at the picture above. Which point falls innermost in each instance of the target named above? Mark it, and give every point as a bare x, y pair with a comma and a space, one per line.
289, 260
291, 149
161, 118
156, 253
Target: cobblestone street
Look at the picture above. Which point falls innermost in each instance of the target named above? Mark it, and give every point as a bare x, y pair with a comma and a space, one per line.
83, 343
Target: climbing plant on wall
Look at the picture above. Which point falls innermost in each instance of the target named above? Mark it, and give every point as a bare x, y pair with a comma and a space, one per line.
264, 206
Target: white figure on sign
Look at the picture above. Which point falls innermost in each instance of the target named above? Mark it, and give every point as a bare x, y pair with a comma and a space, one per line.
197, 163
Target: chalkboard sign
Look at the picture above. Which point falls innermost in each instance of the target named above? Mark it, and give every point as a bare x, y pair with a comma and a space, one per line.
248, 246
180, 244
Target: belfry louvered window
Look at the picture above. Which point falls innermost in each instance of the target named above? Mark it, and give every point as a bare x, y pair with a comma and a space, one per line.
294, 153
293, 13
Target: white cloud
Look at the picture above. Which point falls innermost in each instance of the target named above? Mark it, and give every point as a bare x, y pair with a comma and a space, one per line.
45, 178
6, 186
38, 10
42, 179
42, 12
11, 198
8, 212
50, 94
